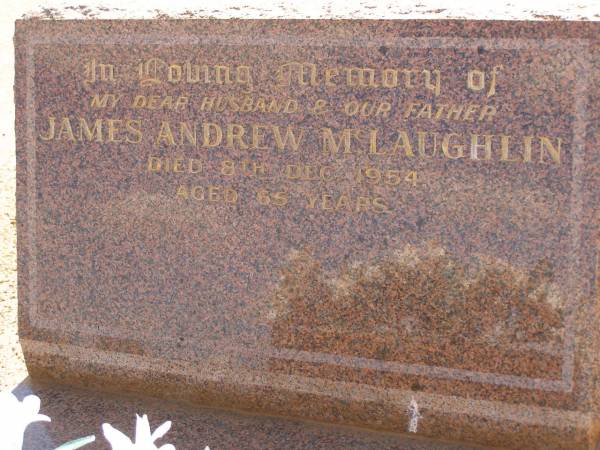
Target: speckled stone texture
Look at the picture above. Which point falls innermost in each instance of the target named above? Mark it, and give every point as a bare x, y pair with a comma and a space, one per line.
406, 278
76, 413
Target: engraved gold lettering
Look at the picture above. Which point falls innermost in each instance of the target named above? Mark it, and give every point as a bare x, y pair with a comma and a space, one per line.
209, 129
157, 164
113, 130
343, 203
471, 109
312, 201
454, 112
357, 76
211, 193
441, 108
50, 132
278, 198
411, 177
309, 74
458, 148
326, 200
65, 130
363, 204
258, 136
304, 73
197, 192
86, 134
330, 73
403, 142
282, 142
390, 78
95, 71
235, 134
422, 144
230, 195
134, 132
165, 135
154, 164
546, 146
476, 80
504, 141
380, 206
155, 71
408, 73
182, 192
487, 113
178, 165
433, 83
207, 103
252, 168
227, 168
425, 112
149, 72
105, 100
154, 102
373, 143
411, 107
244, 76
174, 73
527, 148
188, 133
486, 146
330, 145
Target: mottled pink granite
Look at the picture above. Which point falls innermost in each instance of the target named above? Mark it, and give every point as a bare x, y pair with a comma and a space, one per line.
384, 224
77, 413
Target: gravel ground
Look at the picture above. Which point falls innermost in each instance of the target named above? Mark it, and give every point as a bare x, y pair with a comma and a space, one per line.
12, 366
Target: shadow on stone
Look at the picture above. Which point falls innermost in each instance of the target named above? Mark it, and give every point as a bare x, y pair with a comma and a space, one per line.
76, 413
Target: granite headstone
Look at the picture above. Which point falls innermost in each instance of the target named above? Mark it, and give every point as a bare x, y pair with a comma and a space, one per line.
387, 224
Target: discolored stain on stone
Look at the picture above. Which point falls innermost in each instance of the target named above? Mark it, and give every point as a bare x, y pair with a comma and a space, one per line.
423, 306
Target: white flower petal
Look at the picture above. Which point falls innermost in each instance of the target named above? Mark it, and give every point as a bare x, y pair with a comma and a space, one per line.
117, 440
142, 430
15, 416
31, 404
161, 430
8, 398
9, 406
167, 447
41, 418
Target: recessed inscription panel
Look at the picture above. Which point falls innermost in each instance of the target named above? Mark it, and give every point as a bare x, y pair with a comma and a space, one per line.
405, 208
